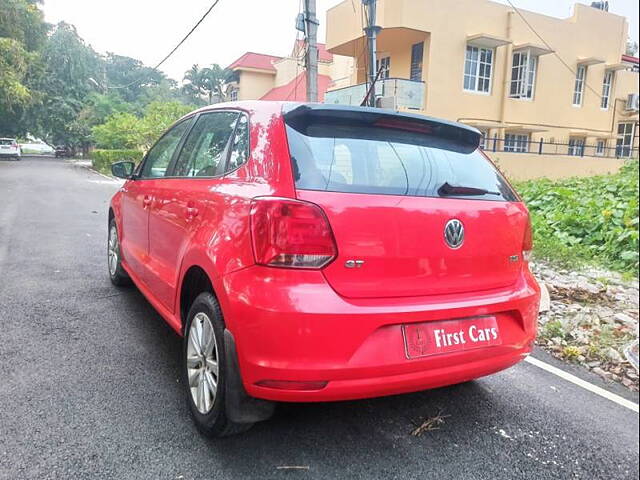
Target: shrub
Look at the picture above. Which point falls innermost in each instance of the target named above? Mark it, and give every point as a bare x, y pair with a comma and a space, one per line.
102, 159
592, 220
125, 130
121, 130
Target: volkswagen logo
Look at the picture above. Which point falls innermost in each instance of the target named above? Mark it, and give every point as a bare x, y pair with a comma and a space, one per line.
454, 233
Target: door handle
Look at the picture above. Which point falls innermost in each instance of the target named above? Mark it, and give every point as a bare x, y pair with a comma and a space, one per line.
146, 201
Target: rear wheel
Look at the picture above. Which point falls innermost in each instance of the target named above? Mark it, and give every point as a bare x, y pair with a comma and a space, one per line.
117, 275
204, 374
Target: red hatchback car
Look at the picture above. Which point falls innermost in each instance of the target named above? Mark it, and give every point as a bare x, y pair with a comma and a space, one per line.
312, 252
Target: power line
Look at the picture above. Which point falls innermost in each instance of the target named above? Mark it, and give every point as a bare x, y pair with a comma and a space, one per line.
176, 47
551, 48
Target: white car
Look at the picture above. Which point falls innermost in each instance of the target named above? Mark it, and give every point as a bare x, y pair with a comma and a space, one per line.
37, 148
9, 148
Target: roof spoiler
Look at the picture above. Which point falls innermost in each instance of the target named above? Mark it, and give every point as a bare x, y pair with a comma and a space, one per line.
337, 120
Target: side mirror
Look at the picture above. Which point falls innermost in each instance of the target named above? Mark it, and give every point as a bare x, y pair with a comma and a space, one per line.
123, 169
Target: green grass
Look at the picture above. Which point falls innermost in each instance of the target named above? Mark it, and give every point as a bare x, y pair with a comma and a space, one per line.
586, 221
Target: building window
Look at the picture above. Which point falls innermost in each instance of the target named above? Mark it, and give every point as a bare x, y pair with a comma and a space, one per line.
478, 65
385, 64
523, 75
516, 142
576, 146
578, 88
601, 145
233, 95
606, 89
624, 144
417, 52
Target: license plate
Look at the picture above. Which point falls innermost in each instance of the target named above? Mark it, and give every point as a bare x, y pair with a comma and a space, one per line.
435, 338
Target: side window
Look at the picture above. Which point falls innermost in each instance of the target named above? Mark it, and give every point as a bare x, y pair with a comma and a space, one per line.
204, 151
161, 153
240, 144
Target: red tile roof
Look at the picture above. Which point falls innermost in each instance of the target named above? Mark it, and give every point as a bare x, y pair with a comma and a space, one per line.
255, 60
630, 59
296, 89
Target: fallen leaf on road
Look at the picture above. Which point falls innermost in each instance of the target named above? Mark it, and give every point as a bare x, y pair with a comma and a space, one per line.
431, 423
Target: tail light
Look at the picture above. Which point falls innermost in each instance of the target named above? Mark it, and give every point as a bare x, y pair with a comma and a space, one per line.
290, 233
527, 243
14, 145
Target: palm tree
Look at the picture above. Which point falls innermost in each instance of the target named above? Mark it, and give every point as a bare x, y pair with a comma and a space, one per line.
192, 82
214, 82
207, 82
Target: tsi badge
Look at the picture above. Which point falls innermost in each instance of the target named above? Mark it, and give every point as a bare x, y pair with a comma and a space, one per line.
454, 233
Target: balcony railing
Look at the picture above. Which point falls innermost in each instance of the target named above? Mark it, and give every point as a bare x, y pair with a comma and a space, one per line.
395, 93
614, 149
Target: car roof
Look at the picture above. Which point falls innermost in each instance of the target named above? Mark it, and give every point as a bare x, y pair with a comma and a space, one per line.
7, 138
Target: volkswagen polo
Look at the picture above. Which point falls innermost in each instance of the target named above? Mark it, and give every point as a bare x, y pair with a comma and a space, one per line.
311, 252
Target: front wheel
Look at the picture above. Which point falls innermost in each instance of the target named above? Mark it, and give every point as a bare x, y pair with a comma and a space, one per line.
204, 374
117, 275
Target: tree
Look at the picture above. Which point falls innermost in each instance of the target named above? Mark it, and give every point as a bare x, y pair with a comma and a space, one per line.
125, 130
207, 82
120, 131
99, 106
69, 66
14, 61
215, 80
22, 34
157, 118
192, 83
129, 77
23, 21
631, 48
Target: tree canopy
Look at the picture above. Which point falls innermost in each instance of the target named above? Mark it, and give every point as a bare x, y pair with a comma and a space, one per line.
55, 86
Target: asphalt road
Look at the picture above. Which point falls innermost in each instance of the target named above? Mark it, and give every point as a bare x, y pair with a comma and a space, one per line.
89, 381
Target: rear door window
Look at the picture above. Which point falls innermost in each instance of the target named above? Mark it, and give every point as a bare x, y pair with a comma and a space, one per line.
205, 150
375, 160
239, 145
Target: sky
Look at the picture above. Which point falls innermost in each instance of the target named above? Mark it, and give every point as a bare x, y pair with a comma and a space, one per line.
149, 29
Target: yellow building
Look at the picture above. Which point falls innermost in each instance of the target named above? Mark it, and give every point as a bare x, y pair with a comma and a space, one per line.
533, 84
258, 76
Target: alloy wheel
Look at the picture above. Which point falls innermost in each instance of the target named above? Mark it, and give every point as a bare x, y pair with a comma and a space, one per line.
202, 363
113, 251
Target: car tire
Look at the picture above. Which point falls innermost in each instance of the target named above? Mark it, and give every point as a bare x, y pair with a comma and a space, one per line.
204, 369
117, 274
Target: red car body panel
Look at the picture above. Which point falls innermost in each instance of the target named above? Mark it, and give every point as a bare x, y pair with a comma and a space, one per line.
339, 327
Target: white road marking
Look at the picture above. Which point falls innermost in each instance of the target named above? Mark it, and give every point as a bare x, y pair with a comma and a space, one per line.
584, 384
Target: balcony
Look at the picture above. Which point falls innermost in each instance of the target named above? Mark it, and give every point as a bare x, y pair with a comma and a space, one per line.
393, 93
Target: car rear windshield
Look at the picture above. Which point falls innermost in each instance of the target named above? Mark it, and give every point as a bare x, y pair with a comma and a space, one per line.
6, 141
404, 159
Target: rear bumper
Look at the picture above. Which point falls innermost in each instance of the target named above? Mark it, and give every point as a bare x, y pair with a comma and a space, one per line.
291, 326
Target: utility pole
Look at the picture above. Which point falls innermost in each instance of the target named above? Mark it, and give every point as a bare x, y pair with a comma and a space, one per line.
311, 57
371, 30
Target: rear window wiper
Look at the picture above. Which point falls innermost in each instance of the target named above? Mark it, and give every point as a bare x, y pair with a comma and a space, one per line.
446, 190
